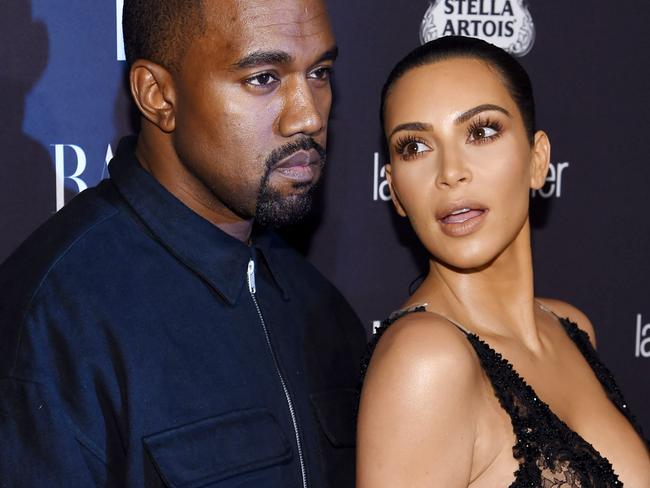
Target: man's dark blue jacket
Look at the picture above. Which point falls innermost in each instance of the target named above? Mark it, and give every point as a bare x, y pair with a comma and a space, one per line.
142, 346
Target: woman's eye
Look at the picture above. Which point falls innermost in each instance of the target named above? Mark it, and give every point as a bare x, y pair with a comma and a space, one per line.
410, 149
263, 79
413, 148
483, 133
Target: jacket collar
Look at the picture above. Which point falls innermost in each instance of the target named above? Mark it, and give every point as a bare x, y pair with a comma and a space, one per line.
218, 258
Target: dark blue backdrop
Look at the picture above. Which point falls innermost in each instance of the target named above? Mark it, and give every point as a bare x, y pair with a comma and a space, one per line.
64, 105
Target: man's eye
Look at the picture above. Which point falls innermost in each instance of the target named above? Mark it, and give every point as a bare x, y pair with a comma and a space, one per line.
322, 73
263, 79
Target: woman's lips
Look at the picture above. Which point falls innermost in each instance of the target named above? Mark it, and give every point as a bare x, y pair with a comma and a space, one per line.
462, 220
461, 215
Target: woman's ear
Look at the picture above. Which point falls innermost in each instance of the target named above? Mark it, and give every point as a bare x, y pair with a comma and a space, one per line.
154, 93
540, 159
394, 196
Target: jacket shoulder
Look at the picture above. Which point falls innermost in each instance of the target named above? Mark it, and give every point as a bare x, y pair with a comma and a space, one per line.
69, 231
58, 235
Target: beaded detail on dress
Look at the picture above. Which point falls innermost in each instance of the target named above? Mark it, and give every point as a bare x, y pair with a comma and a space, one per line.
550, 454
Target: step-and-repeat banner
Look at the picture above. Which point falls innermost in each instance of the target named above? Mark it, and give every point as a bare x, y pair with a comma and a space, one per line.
64, 105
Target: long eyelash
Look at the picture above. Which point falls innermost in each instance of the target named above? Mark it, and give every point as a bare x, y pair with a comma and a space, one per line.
479, 123
403, 141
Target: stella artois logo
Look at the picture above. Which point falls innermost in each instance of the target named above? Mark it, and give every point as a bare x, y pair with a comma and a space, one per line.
504, 23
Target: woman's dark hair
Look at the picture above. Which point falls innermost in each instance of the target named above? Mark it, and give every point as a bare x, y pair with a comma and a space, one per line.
513, 74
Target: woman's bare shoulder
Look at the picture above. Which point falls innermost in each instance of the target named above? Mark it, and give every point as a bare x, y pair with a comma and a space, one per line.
564, 309
426, 340
420, 393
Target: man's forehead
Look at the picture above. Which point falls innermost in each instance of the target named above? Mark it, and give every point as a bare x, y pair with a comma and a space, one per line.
257, 18
236, 29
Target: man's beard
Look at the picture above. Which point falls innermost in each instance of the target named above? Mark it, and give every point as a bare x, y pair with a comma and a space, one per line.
274, 209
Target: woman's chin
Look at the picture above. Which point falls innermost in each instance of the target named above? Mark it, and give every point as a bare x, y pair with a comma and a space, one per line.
467, 262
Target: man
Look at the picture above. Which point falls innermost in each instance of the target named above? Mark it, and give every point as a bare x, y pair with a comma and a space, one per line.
151, 334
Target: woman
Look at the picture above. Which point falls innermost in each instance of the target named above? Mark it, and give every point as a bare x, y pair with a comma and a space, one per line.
440, 407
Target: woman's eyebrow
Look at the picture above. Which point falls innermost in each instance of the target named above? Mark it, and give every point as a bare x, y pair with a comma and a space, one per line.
465, 116
416, 126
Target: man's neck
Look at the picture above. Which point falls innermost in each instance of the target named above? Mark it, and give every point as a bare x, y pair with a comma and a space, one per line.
150, 153
239, 230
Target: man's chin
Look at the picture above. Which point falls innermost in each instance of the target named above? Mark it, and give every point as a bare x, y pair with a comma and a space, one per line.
283, 211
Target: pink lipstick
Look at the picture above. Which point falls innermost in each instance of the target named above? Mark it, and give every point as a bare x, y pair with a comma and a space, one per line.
461, 218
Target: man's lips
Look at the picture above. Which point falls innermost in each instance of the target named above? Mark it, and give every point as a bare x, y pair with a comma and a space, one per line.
301, 166
299, 158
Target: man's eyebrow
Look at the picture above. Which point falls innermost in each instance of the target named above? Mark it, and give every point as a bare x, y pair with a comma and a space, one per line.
329, 55
415, 126
465, 116
260, 58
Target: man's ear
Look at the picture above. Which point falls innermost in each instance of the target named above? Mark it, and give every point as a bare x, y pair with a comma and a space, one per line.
394, 196
153, 90
540, 159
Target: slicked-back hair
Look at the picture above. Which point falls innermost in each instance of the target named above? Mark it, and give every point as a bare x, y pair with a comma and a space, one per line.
161, 30
512, 73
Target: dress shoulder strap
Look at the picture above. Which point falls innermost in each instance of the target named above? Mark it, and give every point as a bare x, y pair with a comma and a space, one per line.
420, 307
455, 323
398, 314
581, 339
546, 309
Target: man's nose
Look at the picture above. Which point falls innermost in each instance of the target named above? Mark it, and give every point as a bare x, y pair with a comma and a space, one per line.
302, 112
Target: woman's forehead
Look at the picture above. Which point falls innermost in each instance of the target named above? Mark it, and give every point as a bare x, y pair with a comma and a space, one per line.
450, 84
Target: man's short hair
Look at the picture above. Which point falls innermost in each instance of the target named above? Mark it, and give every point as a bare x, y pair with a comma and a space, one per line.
161, 30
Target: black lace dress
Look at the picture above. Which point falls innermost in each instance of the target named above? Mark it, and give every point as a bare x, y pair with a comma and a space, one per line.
550, 454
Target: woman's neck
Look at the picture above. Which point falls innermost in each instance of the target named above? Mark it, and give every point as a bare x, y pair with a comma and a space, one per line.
497, 299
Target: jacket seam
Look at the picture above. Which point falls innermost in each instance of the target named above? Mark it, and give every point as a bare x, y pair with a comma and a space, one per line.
46, 275
79, 436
